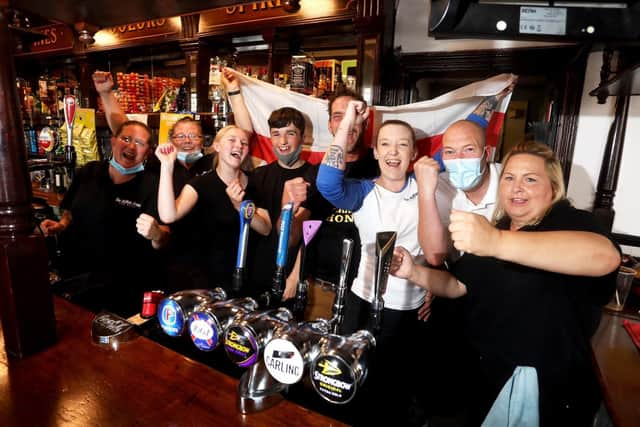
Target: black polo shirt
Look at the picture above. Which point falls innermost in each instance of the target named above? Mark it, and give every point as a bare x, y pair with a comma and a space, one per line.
521, 316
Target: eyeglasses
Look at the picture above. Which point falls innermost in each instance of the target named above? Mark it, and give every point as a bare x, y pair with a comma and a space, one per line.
129, 139
182, 137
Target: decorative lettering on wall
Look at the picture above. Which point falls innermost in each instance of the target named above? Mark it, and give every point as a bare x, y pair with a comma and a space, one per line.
255, 6
138, 26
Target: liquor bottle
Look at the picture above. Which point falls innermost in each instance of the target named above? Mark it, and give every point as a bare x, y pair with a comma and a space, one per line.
43, 95
216, 92
181, 97
59, 180
302, 75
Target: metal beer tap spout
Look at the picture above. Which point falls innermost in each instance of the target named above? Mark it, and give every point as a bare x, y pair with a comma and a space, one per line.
385, 243
244, 343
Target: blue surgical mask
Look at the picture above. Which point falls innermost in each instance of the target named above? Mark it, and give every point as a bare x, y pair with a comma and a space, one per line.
464, 174
126, 171
189, 158
291, 158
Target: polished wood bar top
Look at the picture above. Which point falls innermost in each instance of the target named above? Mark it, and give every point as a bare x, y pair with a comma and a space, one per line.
78, 383
617, 364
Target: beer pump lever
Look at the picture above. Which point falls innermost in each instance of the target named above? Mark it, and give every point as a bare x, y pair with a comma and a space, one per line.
69, 151
247, 210
274, 296
338, 303
309, 230
385, 243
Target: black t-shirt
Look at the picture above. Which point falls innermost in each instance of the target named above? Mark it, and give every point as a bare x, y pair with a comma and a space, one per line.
104, 215
325, 251
267, 184
220, 231
186, 237
102, 243
521, 316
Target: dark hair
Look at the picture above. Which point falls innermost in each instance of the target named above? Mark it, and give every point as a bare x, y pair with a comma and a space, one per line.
120, 128
185, 119
399, 123
286, 116
343, 92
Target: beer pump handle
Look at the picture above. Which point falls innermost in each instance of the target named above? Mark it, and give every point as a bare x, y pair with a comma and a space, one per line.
278, 282
246, 212
385, 243
309, 230
338, 302
69, 118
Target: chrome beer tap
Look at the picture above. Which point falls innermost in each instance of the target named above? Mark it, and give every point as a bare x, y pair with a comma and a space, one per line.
209, 322
175, 310
292, 348
338, 303
341, 366
244, 342
385, 243
247, 335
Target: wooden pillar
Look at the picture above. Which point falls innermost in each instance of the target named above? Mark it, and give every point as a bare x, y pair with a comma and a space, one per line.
610, 168
190, 45
26, 305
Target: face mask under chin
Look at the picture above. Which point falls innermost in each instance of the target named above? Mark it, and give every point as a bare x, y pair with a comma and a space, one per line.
189, 158
291, 158
126, 171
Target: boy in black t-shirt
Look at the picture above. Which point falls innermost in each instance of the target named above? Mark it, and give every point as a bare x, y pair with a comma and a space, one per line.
287, 179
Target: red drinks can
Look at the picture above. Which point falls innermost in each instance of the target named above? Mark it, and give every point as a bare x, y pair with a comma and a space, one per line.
150, 302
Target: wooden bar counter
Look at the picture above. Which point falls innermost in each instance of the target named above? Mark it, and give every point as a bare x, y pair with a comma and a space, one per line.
78, 383
617, 364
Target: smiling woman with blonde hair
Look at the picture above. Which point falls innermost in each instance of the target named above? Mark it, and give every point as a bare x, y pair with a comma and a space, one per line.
535, 283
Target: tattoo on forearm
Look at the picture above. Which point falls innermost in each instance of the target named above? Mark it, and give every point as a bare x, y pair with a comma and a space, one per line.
334, 157
487, 107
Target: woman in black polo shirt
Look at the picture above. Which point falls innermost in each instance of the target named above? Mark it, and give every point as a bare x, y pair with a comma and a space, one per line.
533, 299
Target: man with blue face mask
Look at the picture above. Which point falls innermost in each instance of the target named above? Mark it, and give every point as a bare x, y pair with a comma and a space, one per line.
465, 158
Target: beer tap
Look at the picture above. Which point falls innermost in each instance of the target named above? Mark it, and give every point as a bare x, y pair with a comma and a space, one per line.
247, 210
69, 150
244, 342
246, 337
309, 230
292, 348
175, 310
341, 366
210, 321
335, 322
385, 243
274, 296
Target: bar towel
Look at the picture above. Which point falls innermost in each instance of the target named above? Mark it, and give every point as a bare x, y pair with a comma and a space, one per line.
517, 404
634, 331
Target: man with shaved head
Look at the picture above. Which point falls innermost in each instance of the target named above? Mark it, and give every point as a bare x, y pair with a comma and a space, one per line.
466, 159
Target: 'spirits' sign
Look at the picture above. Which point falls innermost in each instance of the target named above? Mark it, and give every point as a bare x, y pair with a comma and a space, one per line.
255, 6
